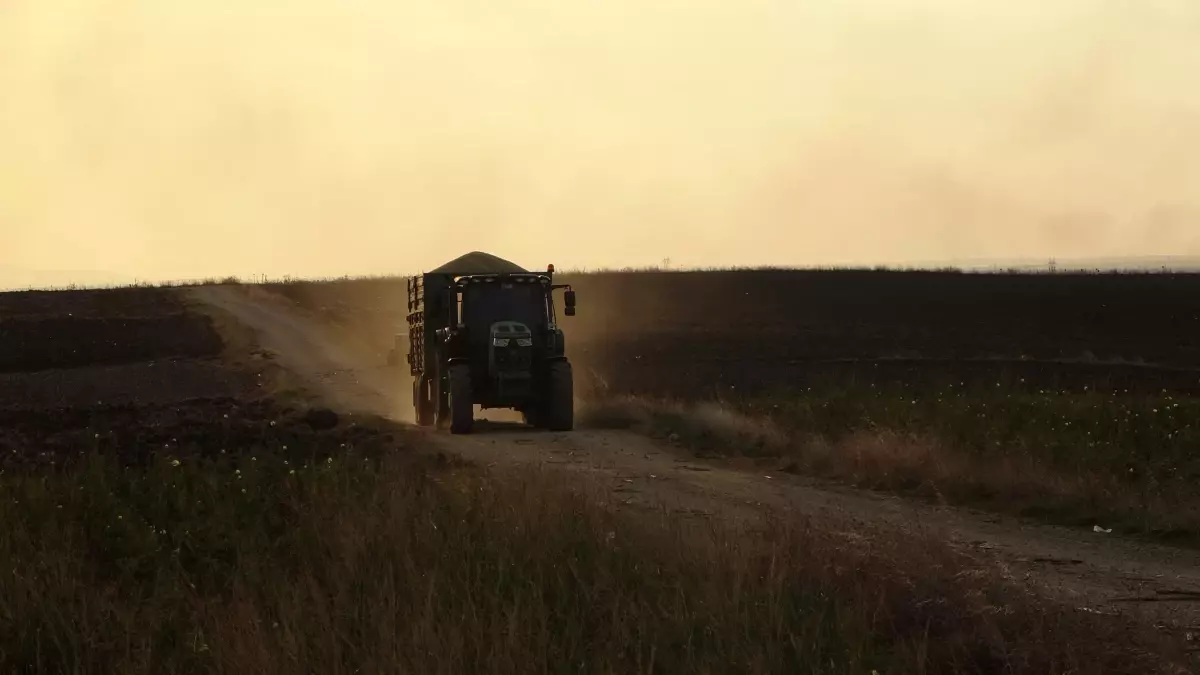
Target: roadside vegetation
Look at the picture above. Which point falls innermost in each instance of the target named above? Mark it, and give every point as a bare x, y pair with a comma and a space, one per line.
1127, 461
393, 562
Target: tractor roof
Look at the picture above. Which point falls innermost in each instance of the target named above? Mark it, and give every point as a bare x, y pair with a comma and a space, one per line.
478, 262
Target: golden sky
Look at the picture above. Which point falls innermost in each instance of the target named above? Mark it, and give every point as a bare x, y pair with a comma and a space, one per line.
184, 138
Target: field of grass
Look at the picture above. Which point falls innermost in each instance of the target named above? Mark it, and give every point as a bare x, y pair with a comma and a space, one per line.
379, 560
1128, 464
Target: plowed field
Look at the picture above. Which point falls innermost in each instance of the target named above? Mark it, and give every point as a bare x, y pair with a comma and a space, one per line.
705, 333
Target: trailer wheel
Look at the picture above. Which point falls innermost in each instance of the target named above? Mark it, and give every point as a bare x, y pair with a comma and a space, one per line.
423, 402
462, 408
560, 404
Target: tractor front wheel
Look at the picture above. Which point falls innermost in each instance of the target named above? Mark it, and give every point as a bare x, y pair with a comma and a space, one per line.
532, 415
560, 403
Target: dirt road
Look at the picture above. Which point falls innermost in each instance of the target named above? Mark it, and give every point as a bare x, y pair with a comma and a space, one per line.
1096, 571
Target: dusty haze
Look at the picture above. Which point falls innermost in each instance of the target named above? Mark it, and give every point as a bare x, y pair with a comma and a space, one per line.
180, 138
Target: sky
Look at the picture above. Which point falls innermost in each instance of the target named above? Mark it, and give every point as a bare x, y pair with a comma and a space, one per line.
179, 139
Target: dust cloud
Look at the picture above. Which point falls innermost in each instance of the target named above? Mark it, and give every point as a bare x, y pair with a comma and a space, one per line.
177, 138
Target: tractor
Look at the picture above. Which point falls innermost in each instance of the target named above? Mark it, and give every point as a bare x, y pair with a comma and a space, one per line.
482, 331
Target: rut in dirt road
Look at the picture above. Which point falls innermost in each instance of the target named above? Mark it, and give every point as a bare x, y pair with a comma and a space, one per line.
1093, 570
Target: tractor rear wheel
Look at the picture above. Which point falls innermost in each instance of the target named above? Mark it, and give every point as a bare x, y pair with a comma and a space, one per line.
560, 400
462, 408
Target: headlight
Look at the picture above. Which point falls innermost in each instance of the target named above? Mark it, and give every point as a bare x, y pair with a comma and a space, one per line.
500, 342
524, 342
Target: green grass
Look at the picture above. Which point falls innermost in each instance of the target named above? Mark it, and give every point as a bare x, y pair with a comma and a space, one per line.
396, 565
1078, 457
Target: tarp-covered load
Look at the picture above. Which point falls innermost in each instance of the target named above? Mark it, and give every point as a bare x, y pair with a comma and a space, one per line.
478, 262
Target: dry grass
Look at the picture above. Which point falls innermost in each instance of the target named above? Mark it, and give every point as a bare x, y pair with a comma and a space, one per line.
706, 427
927, 467
922, 464
355, 566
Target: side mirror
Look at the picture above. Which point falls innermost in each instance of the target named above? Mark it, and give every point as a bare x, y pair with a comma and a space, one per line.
569, 299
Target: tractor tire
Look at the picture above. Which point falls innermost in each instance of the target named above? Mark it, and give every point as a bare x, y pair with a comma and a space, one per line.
462, 408
560, 399
532, 416
423, 402
441, 401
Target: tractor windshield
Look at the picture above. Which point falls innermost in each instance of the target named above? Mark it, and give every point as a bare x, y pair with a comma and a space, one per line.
485, 304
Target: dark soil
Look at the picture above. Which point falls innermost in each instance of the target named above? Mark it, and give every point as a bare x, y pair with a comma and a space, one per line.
225, 428
748, 332
64, 329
